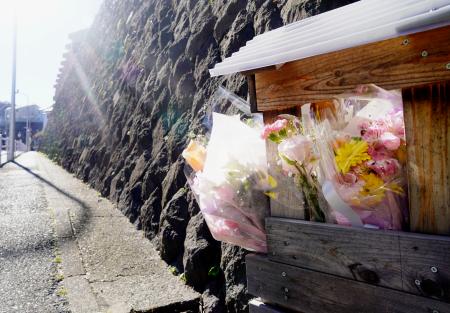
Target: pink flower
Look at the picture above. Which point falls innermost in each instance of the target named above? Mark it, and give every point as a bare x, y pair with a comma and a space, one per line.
348, 189
231, 225
398, 125
362, 89
364, 125
384, 168
386, 215
390, 141
372, 131
379, 152
349, 178
297, 148
225, 193
274, 127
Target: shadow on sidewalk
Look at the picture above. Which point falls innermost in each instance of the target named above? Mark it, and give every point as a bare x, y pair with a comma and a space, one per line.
82, 220
84, 215
3, 158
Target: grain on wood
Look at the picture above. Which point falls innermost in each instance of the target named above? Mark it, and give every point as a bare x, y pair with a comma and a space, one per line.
390, 64
314, 292
426, 260
385, 258
365, 255
427, 124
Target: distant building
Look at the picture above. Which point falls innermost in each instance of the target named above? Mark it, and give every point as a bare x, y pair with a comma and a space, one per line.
4, 124
30, 115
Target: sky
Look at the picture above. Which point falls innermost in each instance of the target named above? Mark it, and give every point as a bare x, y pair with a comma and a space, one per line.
43, 29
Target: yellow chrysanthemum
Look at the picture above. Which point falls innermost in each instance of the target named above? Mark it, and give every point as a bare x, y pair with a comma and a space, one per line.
373, 189
351, 154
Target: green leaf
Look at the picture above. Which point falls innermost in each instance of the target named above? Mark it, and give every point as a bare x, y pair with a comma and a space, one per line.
246, 184
274, 137
287, 160
173, 270
214, 271
282, 133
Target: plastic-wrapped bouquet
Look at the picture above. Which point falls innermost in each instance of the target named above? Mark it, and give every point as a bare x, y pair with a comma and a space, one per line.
361, 143
348, 158
297, 159
230, 180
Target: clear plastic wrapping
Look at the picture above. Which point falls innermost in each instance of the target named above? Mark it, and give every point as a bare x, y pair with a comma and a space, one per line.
348, 158
296, 159
228, 174
343, 160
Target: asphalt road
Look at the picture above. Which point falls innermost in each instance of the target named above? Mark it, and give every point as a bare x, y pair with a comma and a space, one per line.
28, 270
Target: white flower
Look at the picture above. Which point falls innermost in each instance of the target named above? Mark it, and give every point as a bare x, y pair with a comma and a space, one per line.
297, 148
390, 141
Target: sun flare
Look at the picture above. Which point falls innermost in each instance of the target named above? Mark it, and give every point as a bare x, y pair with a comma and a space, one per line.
28, 12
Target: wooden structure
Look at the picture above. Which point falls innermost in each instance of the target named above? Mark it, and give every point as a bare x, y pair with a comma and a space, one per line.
314, 267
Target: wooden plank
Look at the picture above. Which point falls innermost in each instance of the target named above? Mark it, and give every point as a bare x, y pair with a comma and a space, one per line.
427, 124
256, 306
252, 93
366, 255
289, 201
314, 292
391, 64
385, 258
426, 265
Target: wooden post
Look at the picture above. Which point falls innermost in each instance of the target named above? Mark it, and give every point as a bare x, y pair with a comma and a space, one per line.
252, 92
427, 123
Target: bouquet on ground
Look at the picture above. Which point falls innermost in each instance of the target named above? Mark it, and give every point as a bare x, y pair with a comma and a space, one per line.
230, 181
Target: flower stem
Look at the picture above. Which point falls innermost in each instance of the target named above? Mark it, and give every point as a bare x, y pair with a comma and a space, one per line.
310, 192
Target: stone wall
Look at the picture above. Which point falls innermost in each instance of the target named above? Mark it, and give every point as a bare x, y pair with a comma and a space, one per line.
133, 86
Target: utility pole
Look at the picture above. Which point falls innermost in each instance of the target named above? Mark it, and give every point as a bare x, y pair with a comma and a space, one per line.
12, 121
27, 128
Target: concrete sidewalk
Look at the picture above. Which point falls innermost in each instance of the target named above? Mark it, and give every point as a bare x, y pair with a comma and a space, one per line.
108, 265
29, 279
4, 156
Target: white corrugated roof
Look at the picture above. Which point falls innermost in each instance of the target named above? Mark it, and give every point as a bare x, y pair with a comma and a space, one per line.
356, 24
